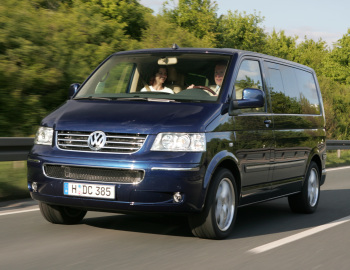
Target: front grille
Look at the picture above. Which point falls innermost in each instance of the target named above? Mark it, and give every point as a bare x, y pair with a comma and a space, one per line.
97, 174
115, 142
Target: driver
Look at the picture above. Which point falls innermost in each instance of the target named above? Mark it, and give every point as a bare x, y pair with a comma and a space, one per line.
219, 73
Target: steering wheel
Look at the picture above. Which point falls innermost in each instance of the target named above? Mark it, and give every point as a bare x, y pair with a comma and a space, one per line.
205, 88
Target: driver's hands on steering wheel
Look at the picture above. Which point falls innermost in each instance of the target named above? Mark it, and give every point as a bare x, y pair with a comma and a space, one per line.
205, 88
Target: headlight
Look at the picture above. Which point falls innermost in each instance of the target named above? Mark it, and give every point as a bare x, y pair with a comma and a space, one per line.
184, 142
44, 136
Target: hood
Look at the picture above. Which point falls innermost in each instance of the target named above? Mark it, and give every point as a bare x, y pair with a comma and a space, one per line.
132, 116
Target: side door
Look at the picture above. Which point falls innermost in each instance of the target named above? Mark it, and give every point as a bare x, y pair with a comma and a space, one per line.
254, 135
296, 111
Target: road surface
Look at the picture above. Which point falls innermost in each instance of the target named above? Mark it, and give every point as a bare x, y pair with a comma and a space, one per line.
266, 236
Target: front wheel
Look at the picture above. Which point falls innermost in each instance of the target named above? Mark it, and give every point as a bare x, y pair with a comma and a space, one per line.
217, 219
61, 214
307, 200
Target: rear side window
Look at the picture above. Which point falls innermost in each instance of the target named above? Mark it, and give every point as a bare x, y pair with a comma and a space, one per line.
293, 91
309, 99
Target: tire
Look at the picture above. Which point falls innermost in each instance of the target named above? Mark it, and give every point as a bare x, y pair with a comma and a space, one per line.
217, 219
61, 214
307, 200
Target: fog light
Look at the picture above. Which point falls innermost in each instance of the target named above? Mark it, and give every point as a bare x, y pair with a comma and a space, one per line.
35, 187
177, 197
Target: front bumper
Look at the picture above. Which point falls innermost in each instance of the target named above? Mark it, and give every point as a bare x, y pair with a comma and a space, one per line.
153, 194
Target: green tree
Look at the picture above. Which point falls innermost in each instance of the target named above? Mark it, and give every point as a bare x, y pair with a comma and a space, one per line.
24, 66
45, 45
241, 31
129, 13
162, 34
337, 62
42, 51
336, 101
280, 45
197, 16
312, 53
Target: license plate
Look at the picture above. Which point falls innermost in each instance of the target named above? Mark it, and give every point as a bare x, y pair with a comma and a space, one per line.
89, 190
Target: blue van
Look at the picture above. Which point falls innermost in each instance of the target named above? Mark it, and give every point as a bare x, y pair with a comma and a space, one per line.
199, 132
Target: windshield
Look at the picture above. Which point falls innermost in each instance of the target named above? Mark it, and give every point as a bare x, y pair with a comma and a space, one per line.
172, 77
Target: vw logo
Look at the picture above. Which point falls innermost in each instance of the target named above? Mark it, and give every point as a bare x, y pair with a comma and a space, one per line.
97, 140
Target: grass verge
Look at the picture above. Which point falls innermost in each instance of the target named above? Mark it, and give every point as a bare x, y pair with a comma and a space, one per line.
338, 159
13, 180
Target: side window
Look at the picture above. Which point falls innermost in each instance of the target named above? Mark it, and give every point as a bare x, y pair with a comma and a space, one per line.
310, 103
249, 76
276, 90
116, 80
292, 91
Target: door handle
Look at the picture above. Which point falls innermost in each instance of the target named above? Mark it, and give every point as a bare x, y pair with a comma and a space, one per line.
267, 122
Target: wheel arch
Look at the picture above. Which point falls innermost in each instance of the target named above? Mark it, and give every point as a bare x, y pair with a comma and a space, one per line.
316, 158
225, 160
233, 168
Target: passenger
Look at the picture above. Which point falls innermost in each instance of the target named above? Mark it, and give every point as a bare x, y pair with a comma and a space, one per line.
219, 74
157, 80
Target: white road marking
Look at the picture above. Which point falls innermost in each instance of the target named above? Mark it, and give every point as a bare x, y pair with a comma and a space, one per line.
19, 212
298, 236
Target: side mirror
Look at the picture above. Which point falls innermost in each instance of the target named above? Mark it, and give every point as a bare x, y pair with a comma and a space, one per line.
73, 89
251, 98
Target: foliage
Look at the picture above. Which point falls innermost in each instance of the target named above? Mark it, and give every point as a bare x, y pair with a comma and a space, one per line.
24, 66
336, 100
241, 31
338, 160
337, 62
197, 16
311, 53
45, 45
129, 13
162, 34
280, 45
43, 51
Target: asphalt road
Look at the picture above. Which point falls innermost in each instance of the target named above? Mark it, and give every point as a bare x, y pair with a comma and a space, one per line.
266, 236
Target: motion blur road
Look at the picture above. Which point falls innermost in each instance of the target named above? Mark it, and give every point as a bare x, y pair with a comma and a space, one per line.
266, 236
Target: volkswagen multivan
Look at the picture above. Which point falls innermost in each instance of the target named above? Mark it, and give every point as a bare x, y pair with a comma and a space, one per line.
198, 132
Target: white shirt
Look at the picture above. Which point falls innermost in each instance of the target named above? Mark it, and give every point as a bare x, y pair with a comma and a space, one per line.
215, 88
165, 90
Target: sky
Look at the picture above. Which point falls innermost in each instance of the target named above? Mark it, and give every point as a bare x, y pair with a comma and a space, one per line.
326, 19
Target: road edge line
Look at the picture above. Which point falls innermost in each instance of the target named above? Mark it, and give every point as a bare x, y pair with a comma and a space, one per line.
18, 212
298, 236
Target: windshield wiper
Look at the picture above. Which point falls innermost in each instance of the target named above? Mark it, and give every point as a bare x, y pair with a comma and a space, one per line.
146, 99
127, 98
162, 100
93, 98
132, 98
